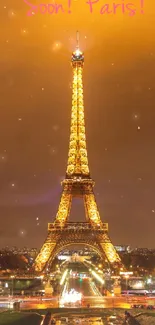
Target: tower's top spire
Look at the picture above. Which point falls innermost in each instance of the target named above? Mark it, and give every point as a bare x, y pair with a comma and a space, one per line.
77, 40
77, 165
77, 56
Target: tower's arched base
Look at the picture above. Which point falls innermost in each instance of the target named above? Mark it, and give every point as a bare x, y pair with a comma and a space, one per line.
77, 233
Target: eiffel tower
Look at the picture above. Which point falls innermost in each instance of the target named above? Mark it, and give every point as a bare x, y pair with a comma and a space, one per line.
77, 183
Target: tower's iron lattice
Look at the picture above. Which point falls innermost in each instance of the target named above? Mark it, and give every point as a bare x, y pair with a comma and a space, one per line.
77, 183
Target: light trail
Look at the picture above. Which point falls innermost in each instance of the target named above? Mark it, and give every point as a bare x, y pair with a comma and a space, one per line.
63, 277
97, 277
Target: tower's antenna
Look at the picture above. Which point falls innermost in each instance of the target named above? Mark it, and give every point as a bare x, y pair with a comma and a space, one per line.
77, 39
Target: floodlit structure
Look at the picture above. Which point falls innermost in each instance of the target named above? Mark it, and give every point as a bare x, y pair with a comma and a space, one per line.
77, 183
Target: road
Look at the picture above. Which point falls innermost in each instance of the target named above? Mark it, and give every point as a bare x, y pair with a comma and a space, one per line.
90, 294
85, 286
92, 297
94, 301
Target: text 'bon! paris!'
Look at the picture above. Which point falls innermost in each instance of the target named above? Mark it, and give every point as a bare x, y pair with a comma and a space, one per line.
105, 8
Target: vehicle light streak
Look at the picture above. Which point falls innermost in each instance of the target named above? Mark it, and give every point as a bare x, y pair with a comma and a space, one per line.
97, 277
63, 277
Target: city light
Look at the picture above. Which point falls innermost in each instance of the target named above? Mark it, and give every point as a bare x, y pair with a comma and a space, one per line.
71, 297
126, 273
40, 277
139, 285
78, 52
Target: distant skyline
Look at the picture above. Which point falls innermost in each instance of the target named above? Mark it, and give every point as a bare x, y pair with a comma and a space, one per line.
71, 248
35, 108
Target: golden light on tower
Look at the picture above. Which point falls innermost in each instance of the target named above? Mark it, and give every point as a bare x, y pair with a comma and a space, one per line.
77, 157
77, 183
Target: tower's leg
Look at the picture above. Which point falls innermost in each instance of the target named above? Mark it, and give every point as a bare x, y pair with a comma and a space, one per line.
110, 251
91, 209
44, 254
50, 242
64, 209
104, 241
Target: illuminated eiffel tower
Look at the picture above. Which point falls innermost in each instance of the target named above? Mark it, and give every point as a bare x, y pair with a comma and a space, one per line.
77, 183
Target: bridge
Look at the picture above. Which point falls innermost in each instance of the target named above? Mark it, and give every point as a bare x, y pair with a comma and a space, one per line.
18, 277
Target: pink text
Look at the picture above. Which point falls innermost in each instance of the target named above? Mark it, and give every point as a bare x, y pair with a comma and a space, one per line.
43, 8
112, 8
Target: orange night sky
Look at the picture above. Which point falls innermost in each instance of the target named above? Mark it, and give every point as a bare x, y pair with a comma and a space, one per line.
35, 107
